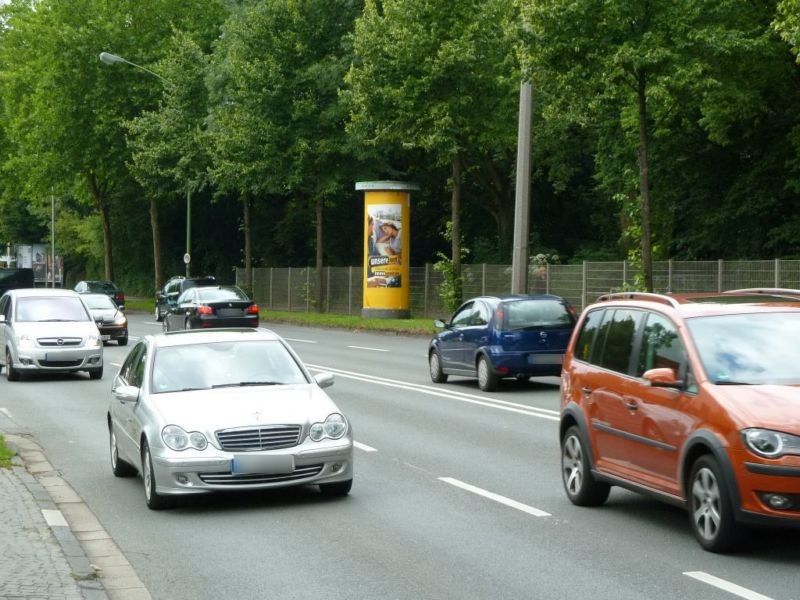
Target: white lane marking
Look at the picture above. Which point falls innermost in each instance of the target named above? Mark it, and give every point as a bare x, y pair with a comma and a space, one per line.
54, 518
134, 337
153, 323
368, 348
496, 497
301, 341
364, 447
6, 413
727, 586
115, 364
533, 411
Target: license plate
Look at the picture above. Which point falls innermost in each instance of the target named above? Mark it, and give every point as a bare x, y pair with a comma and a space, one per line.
546, 359
105, 338
247, 464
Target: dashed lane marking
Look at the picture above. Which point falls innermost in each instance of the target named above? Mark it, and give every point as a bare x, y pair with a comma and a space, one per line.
726, 586
496, 497
364, 447
368, 348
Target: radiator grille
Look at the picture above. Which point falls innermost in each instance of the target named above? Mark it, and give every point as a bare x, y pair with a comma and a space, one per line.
259, 438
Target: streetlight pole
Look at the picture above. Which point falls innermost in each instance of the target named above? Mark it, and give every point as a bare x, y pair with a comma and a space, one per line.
112, 59
519, 257
52, 237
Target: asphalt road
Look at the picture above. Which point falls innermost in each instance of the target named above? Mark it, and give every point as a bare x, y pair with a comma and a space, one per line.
457, 494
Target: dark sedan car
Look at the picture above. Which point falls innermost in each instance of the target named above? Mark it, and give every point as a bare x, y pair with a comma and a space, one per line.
512, 336
109, 288
217, 306
110, 320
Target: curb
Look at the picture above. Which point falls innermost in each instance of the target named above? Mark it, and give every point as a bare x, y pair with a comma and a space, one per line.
101, 570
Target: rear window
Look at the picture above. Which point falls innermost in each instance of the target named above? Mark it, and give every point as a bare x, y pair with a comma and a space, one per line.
105, 287
522, 314
185, 284
215, 294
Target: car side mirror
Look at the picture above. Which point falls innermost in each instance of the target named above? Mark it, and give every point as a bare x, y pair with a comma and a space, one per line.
2, 318
324, 380
662, 377
439, 324
126, 393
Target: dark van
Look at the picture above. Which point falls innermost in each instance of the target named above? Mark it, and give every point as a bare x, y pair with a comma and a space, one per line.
13, 279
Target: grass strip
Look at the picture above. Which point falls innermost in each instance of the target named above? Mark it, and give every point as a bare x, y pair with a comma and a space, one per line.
5, 454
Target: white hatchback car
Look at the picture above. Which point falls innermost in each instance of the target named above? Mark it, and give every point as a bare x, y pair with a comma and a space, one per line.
225, 409
47, 329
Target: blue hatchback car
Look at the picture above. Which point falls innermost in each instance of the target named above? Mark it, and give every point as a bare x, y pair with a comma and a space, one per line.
495, 337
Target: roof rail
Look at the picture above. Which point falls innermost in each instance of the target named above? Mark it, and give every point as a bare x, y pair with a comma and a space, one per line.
664, 299
770, 291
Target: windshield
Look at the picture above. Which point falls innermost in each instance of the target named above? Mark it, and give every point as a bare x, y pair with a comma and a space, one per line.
756, 348
105, 287
52, 308
224, 364
99, 301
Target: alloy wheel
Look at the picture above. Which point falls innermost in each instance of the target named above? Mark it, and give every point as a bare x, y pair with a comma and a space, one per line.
706, 504
572, 462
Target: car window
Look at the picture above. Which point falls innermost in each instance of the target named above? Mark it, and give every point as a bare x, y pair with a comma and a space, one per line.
463, 317
522, 314
125, 371
51, 308
137, 368
187, 296
218, 294
482, 314
221, 364
4, 306
620, 330
591, 325
99, 301
103, 287
661, 346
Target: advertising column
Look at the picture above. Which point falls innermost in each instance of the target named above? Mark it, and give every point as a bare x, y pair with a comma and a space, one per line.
387, 208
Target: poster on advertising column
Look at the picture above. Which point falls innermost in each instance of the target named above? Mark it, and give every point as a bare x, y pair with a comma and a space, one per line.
386, 252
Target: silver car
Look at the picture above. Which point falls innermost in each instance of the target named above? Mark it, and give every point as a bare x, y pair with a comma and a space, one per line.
48, 330
225, 409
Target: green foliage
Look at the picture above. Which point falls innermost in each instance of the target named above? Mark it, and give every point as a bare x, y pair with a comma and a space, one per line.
452, 286
6, 454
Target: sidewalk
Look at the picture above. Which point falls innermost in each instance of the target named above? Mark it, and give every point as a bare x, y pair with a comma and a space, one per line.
51, 545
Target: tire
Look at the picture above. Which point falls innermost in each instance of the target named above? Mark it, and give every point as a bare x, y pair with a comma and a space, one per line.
119, 467
123, 341
336, 490
581, 487
435, 365
158, 315
487, 380
154, 500
711, 508
96, 373
11, 373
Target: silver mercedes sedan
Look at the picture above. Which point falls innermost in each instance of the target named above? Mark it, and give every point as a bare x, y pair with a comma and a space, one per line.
225, 409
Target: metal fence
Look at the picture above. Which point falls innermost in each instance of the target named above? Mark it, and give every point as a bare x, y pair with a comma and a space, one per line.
294, 288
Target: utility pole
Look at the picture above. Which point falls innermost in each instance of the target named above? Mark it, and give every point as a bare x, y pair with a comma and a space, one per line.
519, 256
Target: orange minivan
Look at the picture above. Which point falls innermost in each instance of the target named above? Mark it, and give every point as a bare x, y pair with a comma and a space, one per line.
691, 398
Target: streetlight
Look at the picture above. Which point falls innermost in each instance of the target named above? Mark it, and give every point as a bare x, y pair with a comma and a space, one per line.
112, 59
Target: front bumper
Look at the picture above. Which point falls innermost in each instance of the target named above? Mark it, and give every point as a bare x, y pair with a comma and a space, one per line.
757, 479
210, 470
114, 332
59, 359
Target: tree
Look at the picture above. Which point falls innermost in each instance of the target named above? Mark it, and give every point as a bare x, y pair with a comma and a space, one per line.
436, 76
277, 124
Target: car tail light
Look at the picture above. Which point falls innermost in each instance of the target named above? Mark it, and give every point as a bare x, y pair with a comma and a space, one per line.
252, 309
119, 297
205, 310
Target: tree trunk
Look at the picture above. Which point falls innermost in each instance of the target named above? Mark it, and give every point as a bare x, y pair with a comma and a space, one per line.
319, 295
158, 266
248, 246
644, 184
101, 201
455, 218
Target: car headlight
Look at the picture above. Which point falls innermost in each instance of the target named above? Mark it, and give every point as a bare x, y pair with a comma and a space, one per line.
120, 320
25, 341
178, 439
94, 341
334, 427
771, 444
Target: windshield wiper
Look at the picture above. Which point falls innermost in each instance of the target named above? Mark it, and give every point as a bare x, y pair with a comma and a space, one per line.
246, 383
190, 389
728, 382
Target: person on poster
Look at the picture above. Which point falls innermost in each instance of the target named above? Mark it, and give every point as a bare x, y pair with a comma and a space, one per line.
391, 238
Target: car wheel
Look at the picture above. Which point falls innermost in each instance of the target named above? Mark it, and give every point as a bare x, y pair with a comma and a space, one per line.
710, 507
119, 467
435, 364
336, 490
123, 341
11, 373
582, 489
155, 501
487, 380
96, 373
158, 314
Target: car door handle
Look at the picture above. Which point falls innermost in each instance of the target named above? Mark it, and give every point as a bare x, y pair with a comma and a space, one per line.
631, 404
586, 390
